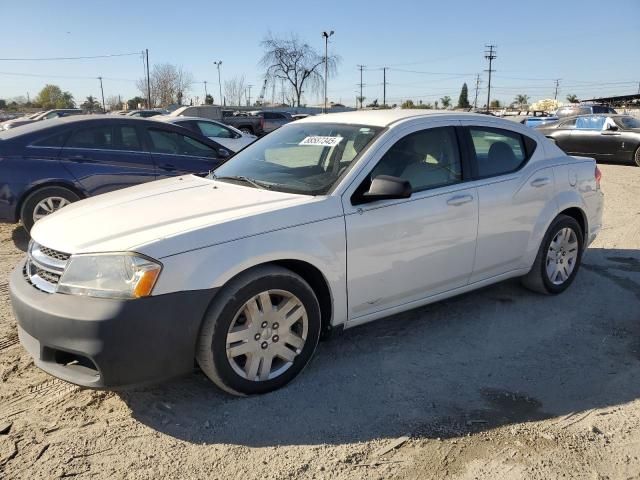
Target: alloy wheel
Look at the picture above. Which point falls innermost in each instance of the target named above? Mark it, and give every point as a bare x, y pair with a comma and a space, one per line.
47, 206
562, 256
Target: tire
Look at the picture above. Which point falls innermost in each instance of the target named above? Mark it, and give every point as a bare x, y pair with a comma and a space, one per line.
44, 201
229, 314
636, 156
539, 279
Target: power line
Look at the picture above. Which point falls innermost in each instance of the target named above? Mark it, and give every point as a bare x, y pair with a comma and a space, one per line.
45, 59
70, 77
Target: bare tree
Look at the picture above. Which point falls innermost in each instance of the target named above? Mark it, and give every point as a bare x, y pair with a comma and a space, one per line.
114, 103
296, 62
234, 90
169, 84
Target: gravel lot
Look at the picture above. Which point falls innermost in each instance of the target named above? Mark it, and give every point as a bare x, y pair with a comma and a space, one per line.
499, 383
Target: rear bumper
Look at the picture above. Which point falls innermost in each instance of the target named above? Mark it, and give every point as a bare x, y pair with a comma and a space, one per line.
106, 343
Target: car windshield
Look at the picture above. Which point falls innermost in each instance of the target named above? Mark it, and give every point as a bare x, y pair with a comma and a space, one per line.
627, 122
306, 158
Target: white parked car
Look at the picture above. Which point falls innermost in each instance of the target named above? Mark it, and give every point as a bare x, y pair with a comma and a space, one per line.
327, 223
225, 135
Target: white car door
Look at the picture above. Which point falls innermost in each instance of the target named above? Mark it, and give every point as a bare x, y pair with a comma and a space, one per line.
514, 195
402, 251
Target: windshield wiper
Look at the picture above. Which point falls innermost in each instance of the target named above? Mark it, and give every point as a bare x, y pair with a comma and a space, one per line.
251, 181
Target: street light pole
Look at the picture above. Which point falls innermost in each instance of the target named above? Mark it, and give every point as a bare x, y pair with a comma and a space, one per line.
206, 94
326, 65
218, 63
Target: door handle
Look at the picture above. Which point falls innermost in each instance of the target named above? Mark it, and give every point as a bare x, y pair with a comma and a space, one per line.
459, 200
540, 182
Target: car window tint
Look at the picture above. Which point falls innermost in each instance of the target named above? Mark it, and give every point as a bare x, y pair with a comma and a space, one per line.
210, 129
129, 139
590, 123
427, 159
176, 144
497, 151
56, 140
96, 137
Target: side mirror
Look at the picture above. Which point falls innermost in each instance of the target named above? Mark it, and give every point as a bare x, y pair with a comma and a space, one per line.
224, 153
386, 187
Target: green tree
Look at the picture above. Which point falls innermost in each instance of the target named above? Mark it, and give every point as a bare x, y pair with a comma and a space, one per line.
208, 100
91, 105
51, 96
408, 104
435, 104
495, 104
3, 103
522, 101
463, 100
572, 99
132, 103
446, 101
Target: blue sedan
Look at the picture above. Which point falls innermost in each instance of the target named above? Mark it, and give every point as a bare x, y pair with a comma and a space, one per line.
47, 165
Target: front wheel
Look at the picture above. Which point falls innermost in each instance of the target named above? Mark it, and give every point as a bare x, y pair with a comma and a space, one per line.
43, 202
260, 331
558, 258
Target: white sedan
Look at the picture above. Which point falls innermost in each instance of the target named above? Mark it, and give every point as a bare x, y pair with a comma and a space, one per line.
225, 135
327, 223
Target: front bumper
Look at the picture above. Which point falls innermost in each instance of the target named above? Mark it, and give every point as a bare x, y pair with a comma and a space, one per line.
107, 343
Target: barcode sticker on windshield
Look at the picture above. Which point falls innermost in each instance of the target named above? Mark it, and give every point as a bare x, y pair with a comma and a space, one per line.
321, 141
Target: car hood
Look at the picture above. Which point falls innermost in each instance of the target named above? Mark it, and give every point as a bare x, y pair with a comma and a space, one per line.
170, 216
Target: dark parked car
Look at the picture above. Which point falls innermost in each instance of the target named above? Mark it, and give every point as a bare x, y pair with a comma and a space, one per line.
47, 165
272, 120
583, 109
49, 114
603, 137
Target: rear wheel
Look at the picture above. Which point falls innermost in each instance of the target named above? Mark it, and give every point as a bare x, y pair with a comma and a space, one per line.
636, 156
260, 331
43, 202
558, 258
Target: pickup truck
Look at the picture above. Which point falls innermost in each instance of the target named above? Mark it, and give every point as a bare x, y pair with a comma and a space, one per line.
272, 120
247, 124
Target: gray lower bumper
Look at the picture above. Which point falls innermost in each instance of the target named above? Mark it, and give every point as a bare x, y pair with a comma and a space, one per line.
105, 343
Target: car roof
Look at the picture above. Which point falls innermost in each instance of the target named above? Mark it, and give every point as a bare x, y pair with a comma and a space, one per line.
385, 118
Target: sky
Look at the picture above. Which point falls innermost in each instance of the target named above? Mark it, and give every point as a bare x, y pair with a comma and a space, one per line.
430, 47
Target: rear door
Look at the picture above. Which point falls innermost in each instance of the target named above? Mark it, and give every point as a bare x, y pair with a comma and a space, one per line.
512, 194
107, 157
179, 153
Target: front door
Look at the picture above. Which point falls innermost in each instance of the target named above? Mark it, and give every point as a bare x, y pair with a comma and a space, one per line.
178, 154
402, 251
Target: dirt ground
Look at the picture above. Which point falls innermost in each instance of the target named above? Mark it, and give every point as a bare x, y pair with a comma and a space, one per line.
496, 384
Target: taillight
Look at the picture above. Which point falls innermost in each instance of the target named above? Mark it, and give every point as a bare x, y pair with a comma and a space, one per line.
598, 175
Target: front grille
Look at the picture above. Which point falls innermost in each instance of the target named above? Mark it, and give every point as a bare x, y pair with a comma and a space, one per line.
44, 267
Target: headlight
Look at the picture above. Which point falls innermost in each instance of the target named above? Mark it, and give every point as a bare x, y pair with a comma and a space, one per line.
121, 275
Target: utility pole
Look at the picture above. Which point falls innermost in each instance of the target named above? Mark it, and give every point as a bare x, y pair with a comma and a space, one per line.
384, 85
148, 81
104, 108
361, 67
475, 100
249, 95
205, 92
555, 95
29, 99
218, 63
490, 54
326, 66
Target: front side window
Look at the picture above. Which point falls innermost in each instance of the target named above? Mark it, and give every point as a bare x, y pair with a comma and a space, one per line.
306, 158
590, 123
210, 129
497, 151
173, 143
426, 159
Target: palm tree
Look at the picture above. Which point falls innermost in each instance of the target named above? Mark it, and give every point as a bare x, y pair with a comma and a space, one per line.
446, 102
572, 98
91, 104
522, 100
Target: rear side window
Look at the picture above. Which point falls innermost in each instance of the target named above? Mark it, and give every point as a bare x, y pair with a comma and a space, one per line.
499, 151
106, 137
210, 129
56, 140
